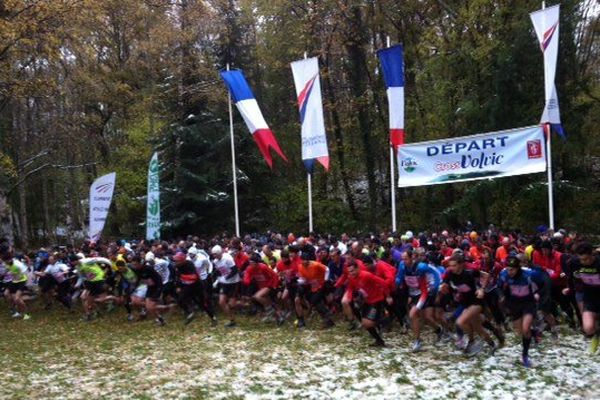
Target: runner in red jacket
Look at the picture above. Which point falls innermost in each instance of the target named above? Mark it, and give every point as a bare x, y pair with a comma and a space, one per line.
266, 282
373, 292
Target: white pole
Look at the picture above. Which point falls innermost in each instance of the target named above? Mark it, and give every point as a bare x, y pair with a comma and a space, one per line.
548, 133
309, 184
310, 217
392, 177
550, 188
233, 168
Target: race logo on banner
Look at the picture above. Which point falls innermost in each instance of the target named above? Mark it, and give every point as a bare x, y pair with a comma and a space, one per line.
546, 25
310, 105
488, 155
101, 193
153, 206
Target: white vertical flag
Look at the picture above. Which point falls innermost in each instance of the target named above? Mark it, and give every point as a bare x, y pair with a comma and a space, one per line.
545, 22
153, 206
310, 104
101, 193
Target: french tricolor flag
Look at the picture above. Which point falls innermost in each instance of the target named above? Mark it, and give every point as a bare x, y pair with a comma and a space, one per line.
392, 65
248, 107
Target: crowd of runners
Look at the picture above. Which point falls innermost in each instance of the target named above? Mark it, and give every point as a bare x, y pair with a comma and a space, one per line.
463, 286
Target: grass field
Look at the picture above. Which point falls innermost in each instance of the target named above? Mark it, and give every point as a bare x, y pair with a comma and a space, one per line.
55, 355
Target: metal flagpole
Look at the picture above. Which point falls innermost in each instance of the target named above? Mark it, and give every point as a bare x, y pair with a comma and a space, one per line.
548, 132
235, 196
392, 176
309, 183
550, 188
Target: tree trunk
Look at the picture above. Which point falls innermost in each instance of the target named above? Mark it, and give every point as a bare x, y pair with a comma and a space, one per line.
357, 72
6, 226
19, 133
339, 140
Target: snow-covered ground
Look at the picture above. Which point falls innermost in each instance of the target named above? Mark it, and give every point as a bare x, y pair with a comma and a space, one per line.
60, 357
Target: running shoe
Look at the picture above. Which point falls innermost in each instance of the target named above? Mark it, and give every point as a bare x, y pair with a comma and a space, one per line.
417, 346
130, 318
526, 362
446, 337
26, 317
230, 324
377, 343
328, 324
492, 349
353, 325
17, 315
160, 321
300, 323
213, 321
473, 348
189, 318
88, 318
594, 344
269, 315
461, 343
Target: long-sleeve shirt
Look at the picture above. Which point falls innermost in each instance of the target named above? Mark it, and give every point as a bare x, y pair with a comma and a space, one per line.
522, 286
552, 264
386, 272
373, 288
313, 274
262, 276
344, 277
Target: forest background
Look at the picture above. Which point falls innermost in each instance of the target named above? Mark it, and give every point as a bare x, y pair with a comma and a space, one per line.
89, 87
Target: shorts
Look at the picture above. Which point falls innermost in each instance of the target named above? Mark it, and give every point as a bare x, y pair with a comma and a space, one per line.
468, 301
579, 297
169, 289
292, 289
312, 298
229, 289
154, 292
140, 291
125, 288
248, 290
373, 312
95, 288
429, 301
16, 287
46, 283
545, 304
591, 303
519, 309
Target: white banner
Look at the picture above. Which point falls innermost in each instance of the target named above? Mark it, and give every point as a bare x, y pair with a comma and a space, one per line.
153, 206
101, 193
546, 26
468, 158
310, 104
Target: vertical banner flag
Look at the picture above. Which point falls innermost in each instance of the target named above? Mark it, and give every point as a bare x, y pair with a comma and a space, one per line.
308, 90
392, 65
153, 206
546, 26
246, 104
101, 193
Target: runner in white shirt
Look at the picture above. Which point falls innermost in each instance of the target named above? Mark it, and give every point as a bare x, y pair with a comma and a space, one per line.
203, 267
228, 281
54, 281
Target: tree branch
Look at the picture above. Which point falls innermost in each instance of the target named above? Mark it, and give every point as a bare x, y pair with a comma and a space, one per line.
42, 167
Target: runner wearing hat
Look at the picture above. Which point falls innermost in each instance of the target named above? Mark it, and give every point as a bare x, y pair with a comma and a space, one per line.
228, 282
